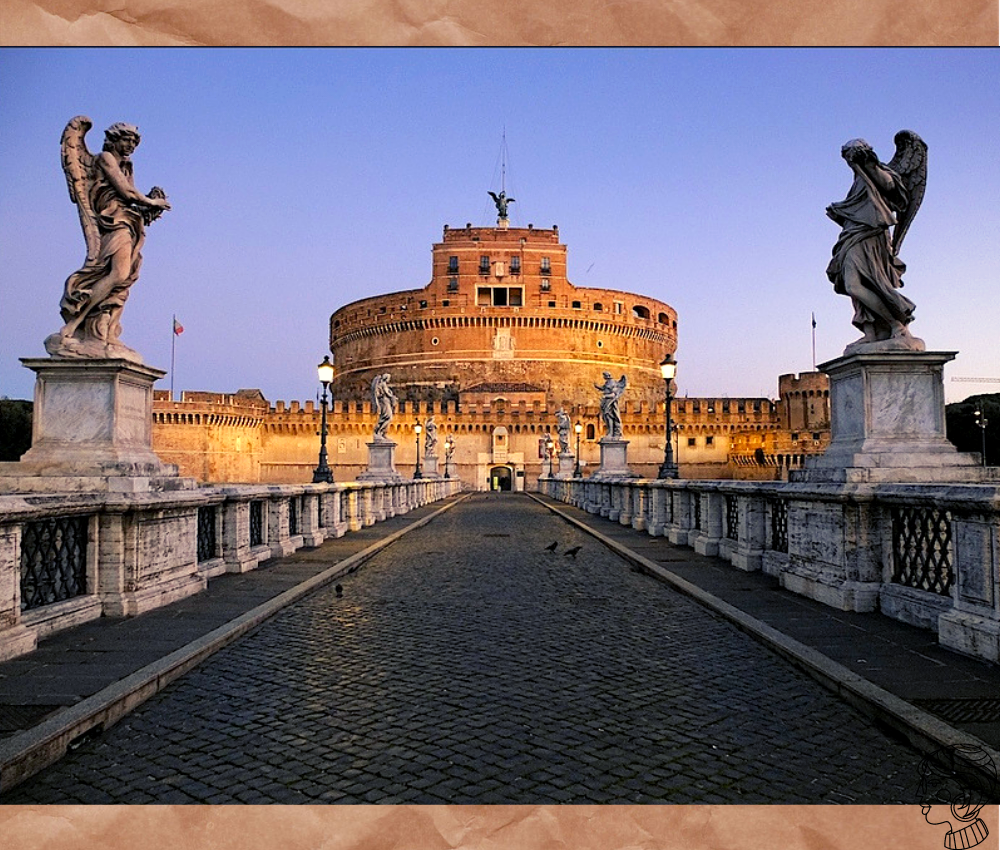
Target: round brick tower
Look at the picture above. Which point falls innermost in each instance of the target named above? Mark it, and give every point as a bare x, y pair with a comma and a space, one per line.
499, 310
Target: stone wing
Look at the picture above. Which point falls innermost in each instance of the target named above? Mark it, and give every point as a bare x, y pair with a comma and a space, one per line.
78, 166
910, 163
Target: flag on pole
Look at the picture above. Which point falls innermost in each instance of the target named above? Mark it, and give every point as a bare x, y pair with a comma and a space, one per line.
813, 318
179, 328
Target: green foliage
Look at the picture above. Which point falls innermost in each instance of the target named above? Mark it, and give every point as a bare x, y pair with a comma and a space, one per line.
964, 432
15, 428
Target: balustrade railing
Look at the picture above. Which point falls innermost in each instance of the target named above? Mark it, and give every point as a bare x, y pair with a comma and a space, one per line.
73, 557
923, 553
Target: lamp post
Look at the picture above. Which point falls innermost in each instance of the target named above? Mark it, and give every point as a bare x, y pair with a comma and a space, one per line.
449, 447
322, 473
668, 369
579, 430
981, 423
416, 472
550, 446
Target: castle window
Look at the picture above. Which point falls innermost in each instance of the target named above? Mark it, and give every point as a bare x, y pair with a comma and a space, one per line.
546, 265
598, 306
423, 304
546, 286
709, 440
453, 265
445, 303
435, 341
552, 303
453, 284
483, 296
499, 296
795, 436
600, 343
515, 265
619, 307
640, 312
576, 305
591, 434
663, 319
692, 442
815, 437
484, 264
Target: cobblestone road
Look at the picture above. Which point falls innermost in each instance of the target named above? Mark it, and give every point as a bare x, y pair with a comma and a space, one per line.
466, 664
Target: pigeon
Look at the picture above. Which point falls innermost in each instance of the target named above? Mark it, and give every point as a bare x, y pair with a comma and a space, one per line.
572, 552
340, 590
552, 546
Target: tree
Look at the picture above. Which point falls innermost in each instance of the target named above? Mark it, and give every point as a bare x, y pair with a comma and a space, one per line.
965, 433
15, 428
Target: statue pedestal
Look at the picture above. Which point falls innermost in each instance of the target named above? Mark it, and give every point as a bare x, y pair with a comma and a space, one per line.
381, 466
888, 423
614, 461
91, 431
567, 465
429, 468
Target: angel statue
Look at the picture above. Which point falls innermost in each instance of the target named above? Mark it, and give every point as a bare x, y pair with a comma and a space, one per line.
866, 264
384, 402
501, 201
563, 426
430, 437
114, 215
611, 391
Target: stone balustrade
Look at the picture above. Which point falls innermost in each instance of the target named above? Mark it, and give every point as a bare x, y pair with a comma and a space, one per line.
926, 554
66, 559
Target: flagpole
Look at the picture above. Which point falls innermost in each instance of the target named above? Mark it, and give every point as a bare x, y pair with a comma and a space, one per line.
814, 340
173, 346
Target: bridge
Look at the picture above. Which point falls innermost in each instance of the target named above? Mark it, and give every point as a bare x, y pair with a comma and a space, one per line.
414, 644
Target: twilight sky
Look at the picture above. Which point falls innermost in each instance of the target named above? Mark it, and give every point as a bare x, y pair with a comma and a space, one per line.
302, 180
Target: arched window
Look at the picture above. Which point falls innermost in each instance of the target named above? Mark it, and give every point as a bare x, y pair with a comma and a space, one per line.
591, 432
663, 319
640, 312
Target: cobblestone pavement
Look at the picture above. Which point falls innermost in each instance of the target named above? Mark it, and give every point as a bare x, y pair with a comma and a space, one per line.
467, 664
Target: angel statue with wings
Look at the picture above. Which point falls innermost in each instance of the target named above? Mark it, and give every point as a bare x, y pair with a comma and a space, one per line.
611, 392
501, 202
430, 437
114, 215
866, 264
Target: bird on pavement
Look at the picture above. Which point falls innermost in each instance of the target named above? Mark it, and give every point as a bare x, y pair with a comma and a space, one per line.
552, 546
572, 552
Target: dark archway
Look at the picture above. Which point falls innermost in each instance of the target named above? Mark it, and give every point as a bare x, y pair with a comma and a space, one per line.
500, 478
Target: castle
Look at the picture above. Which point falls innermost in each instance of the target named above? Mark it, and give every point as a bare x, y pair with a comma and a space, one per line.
492, 346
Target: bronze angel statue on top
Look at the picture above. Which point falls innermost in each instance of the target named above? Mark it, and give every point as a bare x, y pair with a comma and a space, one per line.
865, 263
114, 215
501, 202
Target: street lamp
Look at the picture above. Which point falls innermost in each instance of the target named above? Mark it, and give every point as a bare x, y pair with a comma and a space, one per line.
449, 447
579, 430
416, 472
323, 473
550, 446
981, 423
668, 369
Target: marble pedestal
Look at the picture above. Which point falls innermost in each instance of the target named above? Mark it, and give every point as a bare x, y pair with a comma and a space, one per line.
887, 422
381, 463
614, 461
429, 468
91, 431
567, 465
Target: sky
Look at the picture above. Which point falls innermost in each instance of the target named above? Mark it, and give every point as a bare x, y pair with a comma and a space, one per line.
302, 180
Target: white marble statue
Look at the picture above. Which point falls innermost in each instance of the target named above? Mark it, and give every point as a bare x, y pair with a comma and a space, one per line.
611, 392
114, 215
384, 404
865, 263
563, 426
430, 437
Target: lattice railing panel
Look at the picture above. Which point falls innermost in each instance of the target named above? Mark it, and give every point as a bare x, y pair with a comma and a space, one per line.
732, 517
921, 549
53, 560
779, 524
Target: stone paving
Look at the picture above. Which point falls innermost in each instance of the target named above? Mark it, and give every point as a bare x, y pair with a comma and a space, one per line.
467, 664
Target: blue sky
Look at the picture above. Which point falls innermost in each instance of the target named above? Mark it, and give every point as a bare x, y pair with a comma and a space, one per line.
302, 180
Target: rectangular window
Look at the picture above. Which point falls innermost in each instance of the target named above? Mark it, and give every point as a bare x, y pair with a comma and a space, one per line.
453, 284
483, 298
709, 441
515, 265
453, 265
546, 265
619, 307
691, 442
499, 296
515, 296
484, 264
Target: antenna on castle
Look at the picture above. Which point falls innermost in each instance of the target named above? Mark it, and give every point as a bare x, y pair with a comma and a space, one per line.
501, 201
